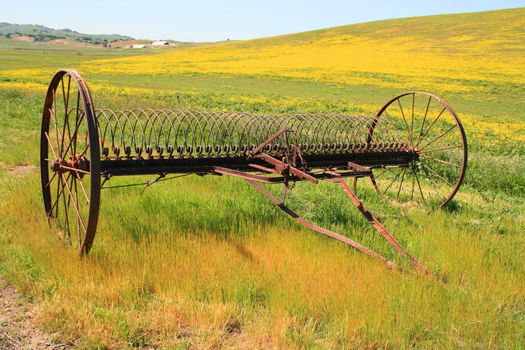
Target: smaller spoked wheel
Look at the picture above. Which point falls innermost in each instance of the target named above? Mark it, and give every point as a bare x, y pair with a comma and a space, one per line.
70, 160
429, 129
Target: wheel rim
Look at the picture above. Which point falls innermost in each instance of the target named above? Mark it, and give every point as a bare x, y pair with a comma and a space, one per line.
429, 127
70, 160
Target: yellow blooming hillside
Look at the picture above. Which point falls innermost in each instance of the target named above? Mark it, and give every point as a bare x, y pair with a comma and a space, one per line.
467, 52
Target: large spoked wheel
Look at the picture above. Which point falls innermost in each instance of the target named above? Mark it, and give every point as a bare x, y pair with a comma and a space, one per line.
70, 160
429, 128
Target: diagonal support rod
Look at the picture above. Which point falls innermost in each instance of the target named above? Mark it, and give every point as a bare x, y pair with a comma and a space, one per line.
378, 225
337, 178
356, 245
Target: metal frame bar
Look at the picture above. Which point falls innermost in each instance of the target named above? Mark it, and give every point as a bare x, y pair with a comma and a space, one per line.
372, 159
337, 177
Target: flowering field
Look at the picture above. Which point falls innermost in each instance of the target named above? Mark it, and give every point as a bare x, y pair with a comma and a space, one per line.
447, 53
205, 263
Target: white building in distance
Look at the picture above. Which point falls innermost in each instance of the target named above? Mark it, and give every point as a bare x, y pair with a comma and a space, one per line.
160, 43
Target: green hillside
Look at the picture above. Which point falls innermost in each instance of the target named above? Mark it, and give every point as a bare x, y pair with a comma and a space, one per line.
42, 33
475, 59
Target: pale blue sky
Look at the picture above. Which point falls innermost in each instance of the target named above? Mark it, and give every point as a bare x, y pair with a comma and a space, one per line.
206, 20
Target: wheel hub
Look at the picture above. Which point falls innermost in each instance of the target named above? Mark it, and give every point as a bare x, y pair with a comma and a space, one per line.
77, 164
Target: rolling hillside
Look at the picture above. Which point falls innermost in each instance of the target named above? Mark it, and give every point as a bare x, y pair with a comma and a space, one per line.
41, 33
448, 53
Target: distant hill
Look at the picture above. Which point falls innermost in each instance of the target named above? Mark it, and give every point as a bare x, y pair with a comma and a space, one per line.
40, 33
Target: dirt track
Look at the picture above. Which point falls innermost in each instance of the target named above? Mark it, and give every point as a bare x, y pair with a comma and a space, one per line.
18, 329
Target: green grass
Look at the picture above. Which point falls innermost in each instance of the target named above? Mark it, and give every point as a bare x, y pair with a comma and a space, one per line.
25, 55
208, 263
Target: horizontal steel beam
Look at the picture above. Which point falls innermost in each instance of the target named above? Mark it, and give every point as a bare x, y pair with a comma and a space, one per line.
133, 166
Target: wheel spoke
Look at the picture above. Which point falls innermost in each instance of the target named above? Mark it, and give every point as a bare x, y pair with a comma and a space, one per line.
438, 192
383, 172
404, 119
50, 145
401, 183
75, 170
412, 121
413, 188
77, 110
84, 191
424, 119
78, 122
395, 178
78, 220
430, 127
443, 149
65, 117
51, 179
84, 151
66, 207
441, 161
66, 123
73, 139
439, 137
75, 205
66, 100
87, 147
53, 112
419, 186
55, 204
437, 175
55, 124
72, 179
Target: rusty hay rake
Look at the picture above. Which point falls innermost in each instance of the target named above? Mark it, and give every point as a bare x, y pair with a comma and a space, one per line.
413, 149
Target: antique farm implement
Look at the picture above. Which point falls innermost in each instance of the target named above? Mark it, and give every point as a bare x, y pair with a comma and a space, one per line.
413, 149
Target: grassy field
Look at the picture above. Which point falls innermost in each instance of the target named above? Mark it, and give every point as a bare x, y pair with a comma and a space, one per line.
207, 263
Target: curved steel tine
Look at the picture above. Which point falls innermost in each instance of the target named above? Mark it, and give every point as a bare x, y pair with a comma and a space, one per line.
180, 138
133, 125
214, 134
163, 135
189, 132
152, 131
122, 127
99, 114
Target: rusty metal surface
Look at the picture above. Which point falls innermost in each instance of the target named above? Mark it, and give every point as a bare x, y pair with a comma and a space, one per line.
146, 133
439, 139
414, 148
70, 159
